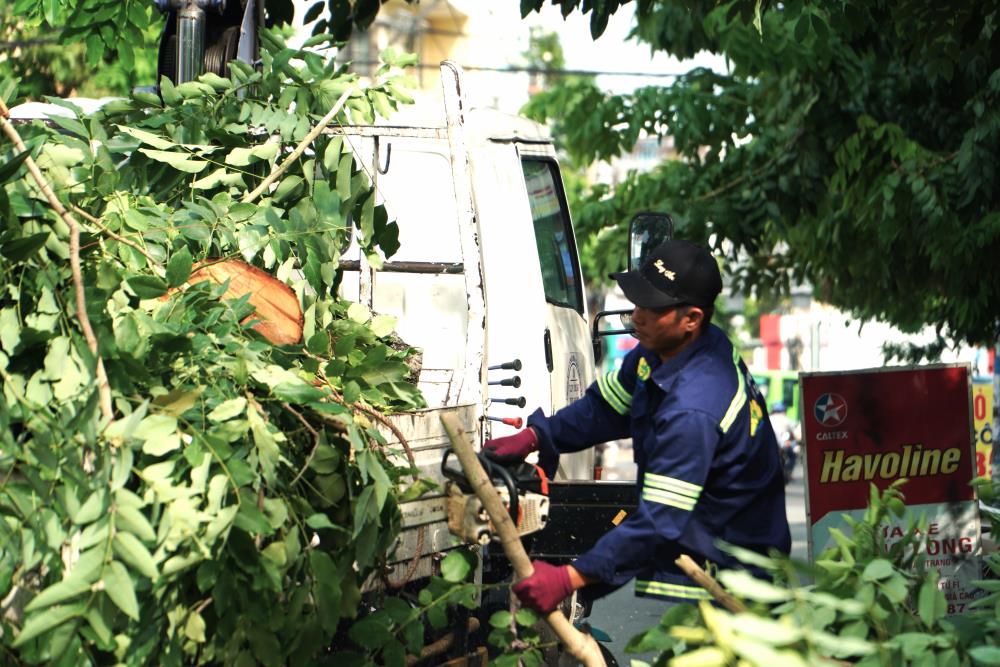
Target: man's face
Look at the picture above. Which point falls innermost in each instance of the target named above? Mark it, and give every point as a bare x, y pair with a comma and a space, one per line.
666, 331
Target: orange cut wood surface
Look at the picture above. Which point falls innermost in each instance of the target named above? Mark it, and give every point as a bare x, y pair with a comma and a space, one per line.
277, 310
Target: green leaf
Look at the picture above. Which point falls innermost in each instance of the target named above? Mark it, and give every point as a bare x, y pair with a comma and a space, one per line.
501, 619
710, 656
61, 155
194, 627
985, 655
119, 587
241, 157
526, 617
168, 92
266, 442
320, 521
298, 392
156, 426
931, 605
92, 508
194, 90
456, 566
100, 617
215, 81
57, 593
344, 176
417, 489
132, 520
327, 589
43, 621
768, 631
286, 187
331, 157
220, 176
132, 551
228, 409
370, 634
9, 168
877, 570
383, 325
145, 137
743, 584
147, 287
179, 161
179, 267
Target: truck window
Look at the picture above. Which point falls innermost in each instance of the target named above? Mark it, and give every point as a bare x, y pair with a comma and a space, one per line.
553, 234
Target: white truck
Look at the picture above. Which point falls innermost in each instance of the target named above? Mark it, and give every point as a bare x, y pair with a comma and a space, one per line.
486, 282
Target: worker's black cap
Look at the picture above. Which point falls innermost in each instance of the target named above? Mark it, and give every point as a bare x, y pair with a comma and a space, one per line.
675, 272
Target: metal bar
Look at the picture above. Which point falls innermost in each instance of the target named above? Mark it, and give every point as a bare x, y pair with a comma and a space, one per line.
388, 131
472, 387
434, 268
190, 42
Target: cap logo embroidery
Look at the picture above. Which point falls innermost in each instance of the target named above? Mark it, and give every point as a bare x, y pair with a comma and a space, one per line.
670, 275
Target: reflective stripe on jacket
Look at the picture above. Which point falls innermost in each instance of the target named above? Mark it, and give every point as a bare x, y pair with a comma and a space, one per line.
708, 464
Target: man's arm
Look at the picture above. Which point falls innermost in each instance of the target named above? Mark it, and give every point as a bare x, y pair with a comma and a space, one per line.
677, 468
603, 413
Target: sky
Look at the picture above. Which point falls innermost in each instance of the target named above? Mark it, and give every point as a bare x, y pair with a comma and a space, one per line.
612, 51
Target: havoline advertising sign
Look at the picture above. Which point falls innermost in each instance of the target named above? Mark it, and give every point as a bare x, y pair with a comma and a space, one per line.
879, 425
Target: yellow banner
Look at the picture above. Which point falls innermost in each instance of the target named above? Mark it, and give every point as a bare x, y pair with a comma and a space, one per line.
982, 421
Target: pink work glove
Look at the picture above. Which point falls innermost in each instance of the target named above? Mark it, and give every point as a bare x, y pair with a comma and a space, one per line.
512, 448
546, 588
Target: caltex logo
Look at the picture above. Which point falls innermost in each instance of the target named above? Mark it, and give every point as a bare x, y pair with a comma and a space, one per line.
830, 410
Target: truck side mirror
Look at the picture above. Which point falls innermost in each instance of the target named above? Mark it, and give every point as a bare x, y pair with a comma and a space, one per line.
596, 334
646, 231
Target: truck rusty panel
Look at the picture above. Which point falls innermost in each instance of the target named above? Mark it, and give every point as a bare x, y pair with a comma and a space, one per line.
425, 520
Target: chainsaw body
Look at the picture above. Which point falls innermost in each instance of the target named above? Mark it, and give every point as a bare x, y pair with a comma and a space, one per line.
522, 488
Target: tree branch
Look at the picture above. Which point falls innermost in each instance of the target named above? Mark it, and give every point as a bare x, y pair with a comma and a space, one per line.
300, 149
705, 580
117, 237
103, 387
582, 646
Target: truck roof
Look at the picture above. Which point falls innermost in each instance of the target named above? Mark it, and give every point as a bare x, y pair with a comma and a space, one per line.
481, 123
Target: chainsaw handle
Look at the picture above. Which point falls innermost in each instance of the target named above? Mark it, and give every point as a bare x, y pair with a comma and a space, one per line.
493, 471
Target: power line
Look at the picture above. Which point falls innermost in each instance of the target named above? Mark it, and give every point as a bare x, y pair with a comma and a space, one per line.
536, 70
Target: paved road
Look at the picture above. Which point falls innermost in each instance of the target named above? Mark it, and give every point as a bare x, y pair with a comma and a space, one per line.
622, 615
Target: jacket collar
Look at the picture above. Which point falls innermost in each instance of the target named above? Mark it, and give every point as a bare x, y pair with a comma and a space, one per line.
665, 372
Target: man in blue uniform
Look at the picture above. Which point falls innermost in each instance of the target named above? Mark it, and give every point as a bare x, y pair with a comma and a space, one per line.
708, 464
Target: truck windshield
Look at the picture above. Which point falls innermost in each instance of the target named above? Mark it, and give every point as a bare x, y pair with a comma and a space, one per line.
553, 234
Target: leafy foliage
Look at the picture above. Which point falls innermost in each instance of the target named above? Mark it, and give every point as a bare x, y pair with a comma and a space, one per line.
851, 146
870, 603
47, 63
109, 30
240, 496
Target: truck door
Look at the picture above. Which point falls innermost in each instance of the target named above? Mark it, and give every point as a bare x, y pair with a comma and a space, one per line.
566, 340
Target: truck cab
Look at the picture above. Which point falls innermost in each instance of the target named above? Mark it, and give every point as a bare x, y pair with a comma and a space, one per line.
487, 280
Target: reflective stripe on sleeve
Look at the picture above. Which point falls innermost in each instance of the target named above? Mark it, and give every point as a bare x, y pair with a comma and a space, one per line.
671, 590
670, 491
739, 400
614, 393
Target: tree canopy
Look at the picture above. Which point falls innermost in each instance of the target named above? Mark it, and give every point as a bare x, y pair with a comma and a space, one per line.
851, 145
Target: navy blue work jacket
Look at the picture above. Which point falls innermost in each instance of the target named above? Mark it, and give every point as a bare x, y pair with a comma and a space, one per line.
708, 464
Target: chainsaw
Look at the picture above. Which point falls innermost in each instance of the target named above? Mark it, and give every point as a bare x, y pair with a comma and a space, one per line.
523, 488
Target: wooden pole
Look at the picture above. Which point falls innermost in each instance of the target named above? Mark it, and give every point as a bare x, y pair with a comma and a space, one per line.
580, 645
705, 580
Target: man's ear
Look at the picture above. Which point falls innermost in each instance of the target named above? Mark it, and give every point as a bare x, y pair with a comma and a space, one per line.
693, 318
